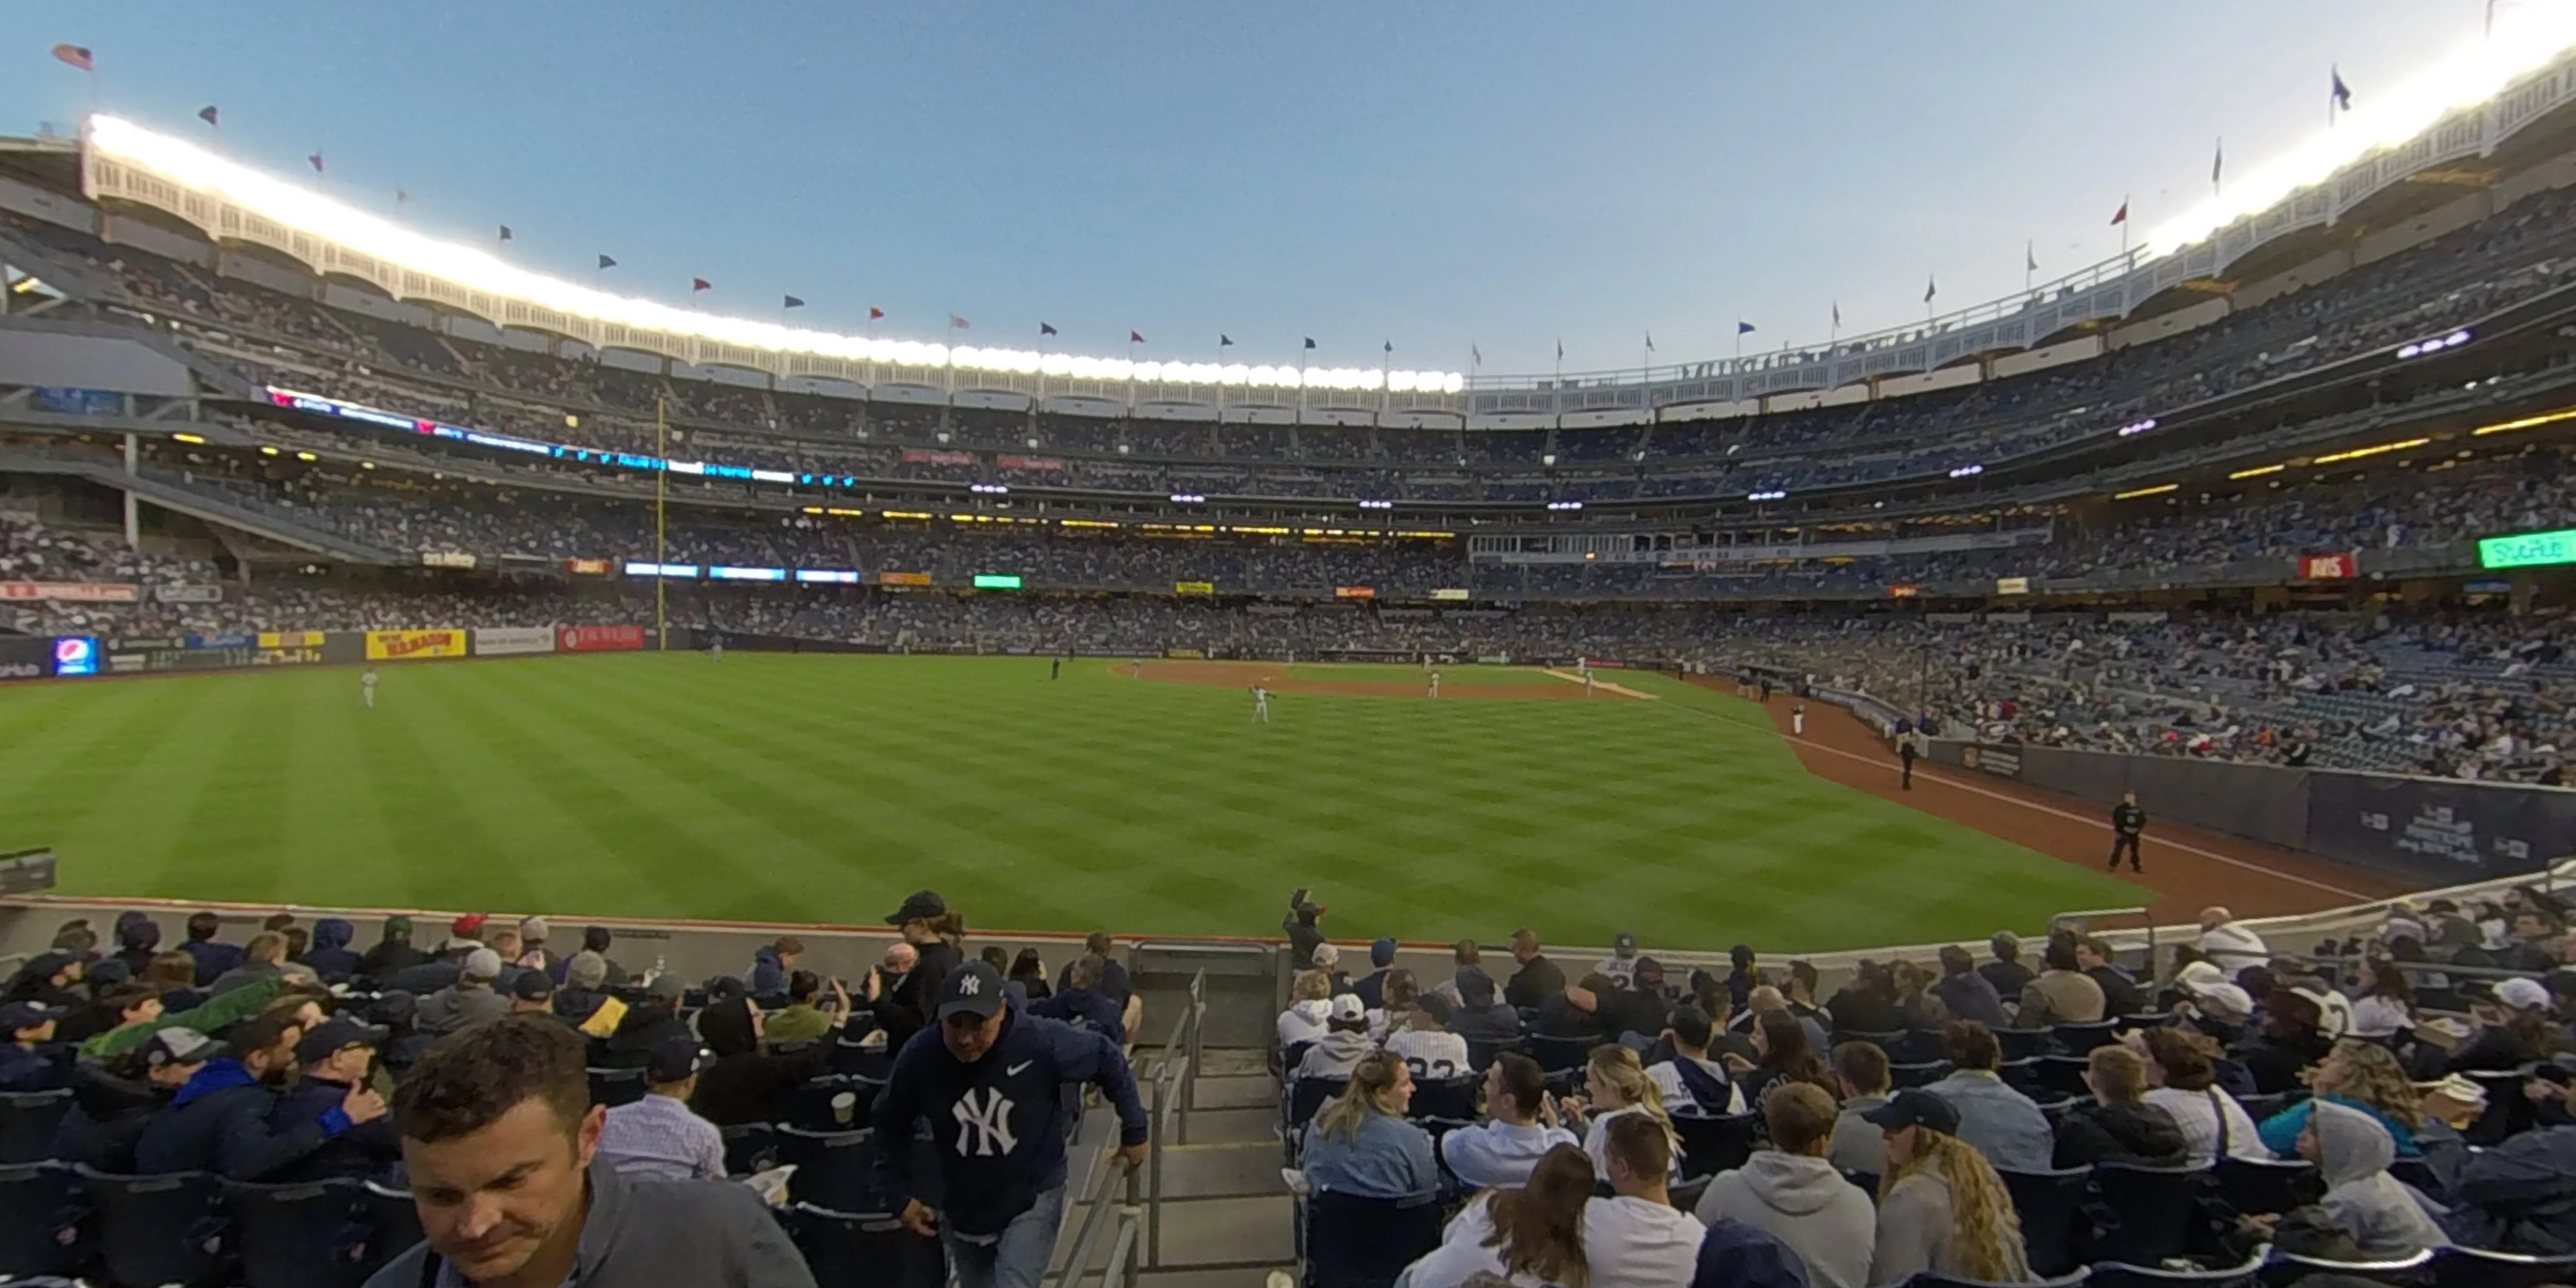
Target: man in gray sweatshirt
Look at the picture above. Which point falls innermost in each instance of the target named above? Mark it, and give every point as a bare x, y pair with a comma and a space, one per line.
1792, 1191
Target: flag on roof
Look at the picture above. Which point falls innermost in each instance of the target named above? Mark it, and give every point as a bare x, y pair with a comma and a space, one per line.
793, 303
2341, 93
606, 262
402, 197
1838, 313
1650, 342
2029, 257
1134, 337
210, 116
1746, 328
875, 313
1931, 287
505, 232
2217, 161
1224, 341
1045, 329
1310, 342
1475, 353
315, 159
697, 284
2121, 215
78, 56
956, 323
1560, 349
1390, 346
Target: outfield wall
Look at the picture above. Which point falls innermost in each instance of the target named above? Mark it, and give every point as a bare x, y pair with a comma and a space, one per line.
73, 657
2426, 831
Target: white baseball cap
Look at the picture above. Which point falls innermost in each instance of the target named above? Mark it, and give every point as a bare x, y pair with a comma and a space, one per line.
2523, 994
1347, 1007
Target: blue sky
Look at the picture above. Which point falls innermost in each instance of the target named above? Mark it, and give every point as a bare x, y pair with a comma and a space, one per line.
1498, 173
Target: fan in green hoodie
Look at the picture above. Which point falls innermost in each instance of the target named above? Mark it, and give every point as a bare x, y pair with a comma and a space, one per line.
219, 1013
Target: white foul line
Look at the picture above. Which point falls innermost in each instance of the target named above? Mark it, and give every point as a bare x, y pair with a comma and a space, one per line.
1946, 781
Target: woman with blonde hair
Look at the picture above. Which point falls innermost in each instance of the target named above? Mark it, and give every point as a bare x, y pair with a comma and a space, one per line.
1360, 1144
1527, 1237
1309, 1005
1615, 1083
2357, 1075
1941, 1207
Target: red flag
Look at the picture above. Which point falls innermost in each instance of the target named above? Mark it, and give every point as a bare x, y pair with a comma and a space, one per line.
316, 159
1135, 338
210, 116
875, 313
2122, 216
697, 284
76, 56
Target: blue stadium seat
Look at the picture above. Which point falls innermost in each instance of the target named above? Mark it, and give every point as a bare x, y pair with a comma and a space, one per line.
614, 1087
871, 1249
809, 1104
1307, 1096
2257, 1187
393, 1223
2405, 1272
747, 1146
2062, 1076
2115, 1274
850, 1056
157, 1230
1902, 1076
1713, 1143
1481, 1052
1921, 1046
2080, 1039
39, 1220
1445, 1097
1558, 1055
835, 1170
2022, 1044
2478, 1268
29, 1121
2050, 1205
299, 1236
2143, 1215
1354, 1242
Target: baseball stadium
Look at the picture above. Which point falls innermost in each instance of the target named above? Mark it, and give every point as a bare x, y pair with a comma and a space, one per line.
2140, 695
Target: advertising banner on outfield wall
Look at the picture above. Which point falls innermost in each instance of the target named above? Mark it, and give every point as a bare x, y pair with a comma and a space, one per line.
595, 639
290, 639
395, 646
903, 579
188, 594
2329, 567
493, 641
1992, 758
2443, 832
1193, 588
26, 657
76, 592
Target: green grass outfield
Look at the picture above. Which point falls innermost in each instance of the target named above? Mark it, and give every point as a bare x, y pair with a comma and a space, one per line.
818, 787
1413, 673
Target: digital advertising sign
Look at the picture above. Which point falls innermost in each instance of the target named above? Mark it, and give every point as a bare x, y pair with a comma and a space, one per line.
2528, 549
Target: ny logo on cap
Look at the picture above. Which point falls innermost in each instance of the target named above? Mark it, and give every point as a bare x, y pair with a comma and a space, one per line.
970, 986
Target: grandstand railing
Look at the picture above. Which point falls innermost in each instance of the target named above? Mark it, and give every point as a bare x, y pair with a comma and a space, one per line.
1175, 1091
1100, 1214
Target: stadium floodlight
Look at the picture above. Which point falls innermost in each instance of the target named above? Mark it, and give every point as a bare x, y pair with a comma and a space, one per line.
1766, 496
2436, 344
1565, 505
2137, 427
2526, 38
1967, 471
989, 489
359, 234
1189, 498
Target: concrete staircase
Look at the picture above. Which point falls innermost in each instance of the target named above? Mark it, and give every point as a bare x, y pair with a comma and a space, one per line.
1225, 1219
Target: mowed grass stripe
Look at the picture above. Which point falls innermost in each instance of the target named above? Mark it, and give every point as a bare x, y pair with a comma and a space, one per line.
816, 787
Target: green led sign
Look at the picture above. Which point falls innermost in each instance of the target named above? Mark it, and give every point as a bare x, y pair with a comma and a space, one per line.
1011, 581
2528, 549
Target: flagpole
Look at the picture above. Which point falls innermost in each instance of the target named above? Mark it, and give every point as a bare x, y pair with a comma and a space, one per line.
2125, 218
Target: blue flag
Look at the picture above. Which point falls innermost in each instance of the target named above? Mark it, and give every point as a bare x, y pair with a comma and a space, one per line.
1746, 328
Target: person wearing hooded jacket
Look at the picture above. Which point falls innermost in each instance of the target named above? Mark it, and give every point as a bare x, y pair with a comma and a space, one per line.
747, 1084
113, 1103
771, 966
2352, 1152
330, 956
2519, 1196
219, 1121
1344, 1043
1792, 1192
393, 953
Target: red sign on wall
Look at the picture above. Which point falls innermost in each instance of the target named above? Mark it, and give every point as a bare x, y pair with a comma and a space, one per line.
593, 639
2329, 567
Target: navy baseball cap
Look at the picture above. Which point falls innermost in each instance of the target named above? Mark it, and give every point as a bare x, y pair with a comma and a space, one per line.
26, 1015
334, 1035
1914, 1107
673, 1059
972, 989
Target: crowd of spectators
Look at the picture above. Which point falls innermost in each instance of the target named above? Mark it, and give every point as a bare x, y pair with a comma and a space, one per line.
1906, 1123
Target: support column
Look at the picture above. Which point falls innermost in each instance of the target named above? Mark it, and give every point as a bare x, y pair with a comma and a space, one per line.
133, 507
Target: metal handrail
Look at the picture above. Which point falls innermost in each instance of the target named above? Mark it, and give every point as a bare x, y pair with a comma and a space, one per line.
1122, 1266
1096, 1197
1175, 1087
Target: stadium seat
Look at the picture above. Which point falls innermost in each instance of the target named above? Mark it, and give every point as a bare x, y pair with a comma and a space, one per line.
1307, 1096
2256, 1187
1887, 1042
2259, 1108
1713, 1143
1865, 1182
2023, 1076
1920, 1046
2050, 1205
2287, 1268
2415, 1172
39, 1220
869, 1248
849, 1055
299, 1236
2143, 1215
1354, 1242
614, 1087
29, 1121
810, 1103
1902, 1076
2022, 1044
393, 1223
835, 1170
1558, 1055
2080, 1039
2508, 1110
1445, 1097
1929, 1279
2144, 1020
2479, 1268
2062, 1076
747, 1146
2116, 1274
157, 1230
1481, 1053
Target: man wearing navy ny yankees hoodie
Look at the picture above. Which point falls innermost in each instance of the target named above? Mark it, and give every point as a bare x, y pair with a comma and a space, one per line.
989, 1079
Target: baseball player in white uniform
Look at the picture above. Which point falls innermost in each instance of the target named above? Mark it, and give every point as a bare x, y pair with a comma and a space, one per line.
1260, 704
1435, 684
367, 688
1798, 720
